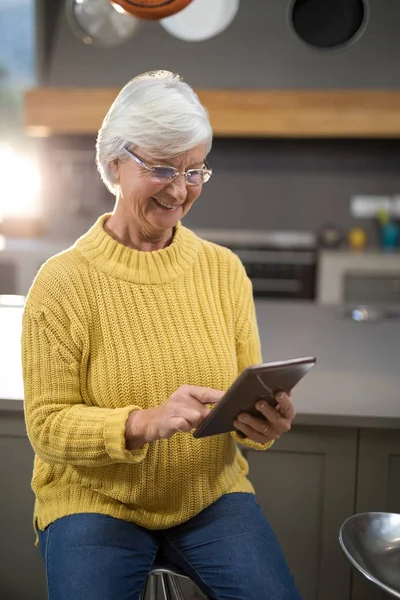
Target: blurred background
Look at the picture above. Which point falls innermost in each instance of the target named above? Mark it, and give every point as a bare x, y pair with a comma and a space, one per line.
307, 135
304, 99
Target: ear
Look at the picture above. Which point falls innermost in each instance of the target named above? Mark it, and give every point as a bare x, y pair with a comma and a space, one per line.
115, 165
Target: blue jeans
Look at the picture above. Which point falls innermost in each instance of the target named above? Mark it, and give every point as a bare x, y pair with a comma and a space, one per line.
229, 550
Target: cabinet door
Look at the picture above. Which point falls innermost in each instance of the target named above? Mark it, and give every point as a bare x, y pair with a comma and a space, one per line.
378, 489
306, 487
371, 288
22, 574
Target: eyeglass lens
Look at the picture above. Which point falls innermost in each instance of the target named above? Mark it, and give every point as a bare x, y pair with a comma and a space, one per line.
193, 176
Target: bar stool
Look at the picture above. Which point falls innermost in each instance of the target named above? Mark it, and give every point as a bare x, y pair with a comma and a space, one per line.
167, 576
371, 542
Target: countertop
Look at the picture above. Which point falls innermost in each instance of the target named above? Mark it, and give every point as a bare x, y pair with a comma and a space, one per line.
355, 383
356, 380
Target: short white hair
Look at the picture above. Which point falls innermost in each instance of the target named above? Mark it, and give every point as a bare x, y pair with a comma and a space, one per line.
156, 111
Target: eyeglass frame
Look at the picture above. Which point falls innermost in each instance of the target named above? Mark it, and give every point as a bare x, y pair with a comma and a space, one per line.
140, 162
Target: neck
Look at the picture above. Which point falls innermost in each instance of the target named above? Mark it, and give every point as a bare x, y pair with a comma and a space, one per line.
109, 256
126, 231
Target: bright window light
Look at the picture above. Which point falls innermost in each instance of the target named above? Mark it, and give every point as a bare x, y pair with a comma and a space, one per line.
19, 185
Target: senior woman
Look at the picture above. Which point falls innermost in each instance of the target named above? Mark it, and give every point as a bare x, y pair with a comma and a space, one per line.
128, 336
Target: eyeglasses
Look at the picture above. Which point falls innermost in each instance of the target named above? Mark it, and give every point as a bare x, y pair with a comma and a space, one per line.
168, 174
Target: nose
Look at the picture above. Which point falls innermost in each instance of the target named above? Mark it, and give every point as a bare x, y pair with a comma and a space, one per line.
177, 189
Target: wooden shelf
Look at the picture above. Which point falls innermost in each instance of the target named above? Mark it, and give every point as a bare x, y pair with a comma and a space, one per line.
233, 113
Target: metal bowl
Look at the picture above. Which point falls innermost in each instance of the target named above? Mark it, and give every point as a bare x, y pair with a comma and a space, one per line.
98, 23
371, 541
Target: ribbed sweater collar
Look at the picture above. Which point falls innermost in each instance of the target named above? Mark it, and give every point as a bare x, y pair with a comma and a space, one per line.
137, 266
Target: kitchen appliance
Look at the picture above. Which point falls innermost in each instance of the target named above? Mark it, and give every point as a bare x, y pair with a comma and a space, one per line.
151, 9
328, 26
201, 20
280, 264
98, 23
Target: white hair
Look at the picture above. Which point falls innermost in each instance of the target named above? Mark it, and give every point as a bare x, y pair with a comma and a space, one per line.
156, 111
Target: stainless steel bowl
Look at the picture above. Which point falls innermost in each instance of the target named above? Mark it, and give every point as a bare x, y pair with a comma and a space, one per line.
371, 541
99, 23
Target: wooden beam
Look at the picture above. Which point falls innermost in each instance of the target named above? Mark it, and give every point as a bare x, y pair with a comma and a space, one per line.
242, 113
49, 111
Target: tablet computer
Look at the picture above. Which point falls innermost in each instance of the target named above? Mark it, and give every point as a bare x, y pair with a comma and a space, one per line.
258, 382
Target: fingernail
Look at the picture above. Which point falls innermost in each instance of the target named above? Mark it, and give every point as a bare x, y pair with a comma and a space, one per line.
281, 395
261, 405
242, 418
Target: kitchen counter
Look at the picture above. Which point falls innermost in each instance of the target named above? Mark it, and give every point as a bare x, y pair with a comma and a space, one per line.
356, 379
355, 382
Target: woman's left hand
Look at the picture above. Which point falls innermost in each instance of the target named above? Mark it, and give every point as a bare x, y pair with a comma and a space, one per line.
279, 420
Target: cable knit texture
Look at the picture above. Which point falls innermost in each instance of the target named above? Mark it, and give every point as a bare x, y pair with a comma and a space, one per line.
108, 330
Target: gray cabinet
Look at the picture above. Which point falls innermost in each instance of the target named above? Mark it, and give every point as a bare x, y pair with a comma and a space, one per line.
305, 486
22, 574
371, 288
378, 489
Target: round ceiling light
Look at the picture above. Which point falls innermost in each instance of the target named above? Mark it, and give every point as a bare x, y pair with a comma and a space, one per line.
99, 23
152, 10
201, 20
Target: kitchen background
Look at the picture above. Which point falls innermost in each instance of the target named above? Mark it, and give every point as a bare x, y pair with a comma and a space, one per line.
270, 184
286, 184
314, 218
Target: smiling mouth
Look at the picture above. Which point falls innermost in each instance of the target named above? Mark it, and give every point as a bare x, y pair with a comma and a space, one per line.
166, 206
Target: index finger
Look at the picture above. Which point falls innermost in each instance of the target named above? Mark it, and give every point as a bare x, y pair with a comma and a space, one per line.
206, 395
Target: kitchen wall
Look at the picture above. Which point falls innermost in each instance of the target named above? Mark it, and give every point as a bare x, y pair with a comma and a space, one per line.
258, 184
257, 51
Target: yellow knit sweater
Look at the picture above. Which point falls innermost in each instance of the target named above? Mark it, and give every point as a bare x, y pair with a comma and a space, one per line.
107, 330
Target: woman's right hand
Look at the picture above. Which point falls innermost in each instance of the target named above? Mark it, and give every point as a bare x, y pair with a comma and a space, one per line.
184, 410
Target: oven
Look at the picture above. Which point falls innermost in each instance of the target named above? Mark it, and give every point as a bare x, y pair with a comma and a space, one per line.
280, 273
280, 264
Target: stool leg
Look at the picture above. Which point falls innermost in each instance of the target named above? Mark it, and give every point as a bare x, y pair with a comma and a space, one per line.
165, 587
149, 590
173, 584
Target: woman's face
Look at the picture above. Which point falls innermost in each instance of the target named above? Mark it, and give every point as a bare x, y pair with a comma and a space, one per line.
140, 194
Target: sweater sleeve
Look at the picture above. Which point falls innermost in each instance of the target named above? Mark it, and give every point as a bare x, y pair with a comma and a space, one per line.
248, 346
61, 428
